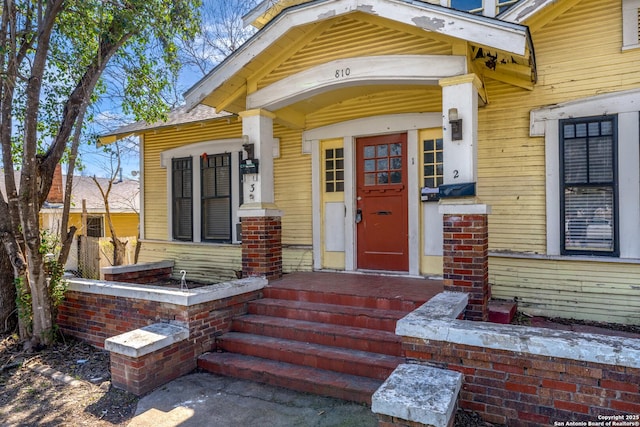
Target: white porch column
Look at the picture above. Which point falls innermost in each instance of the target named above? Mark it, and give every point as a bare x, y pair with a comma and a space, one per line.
261, 219
257, 129
460, 94
465, 250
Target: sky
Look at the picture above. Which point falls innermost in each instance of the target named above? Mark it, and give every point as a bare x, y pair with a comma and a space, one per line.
109, 115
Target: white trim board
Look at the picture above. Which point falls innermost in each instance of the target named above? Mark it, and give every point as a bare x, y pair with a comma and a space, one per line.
350, 72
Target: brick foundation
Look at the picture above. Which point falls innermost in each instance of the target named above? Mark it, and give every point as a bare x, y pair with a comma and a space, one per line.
466, 261
262, 247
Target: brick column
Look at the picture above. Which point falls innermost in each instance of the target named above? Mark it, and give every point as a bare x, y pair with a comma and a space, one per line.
466, 259
262, 247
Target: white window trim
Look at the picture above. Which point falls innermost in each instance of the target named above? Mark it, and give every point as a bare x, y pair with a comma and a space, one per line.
222, 146
630, 38
545, 122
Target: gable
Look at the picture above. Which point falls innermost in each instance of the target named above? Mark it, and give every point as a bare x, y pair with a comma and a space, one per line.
358, 35
294, 40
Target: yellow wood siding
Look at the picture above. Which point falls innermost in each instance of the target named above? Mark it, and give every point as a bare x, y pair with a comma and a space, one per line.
589, 290
292, 187
215, 263
399, 101
155, 177
578, 55
357, 35
202, 262
126, 224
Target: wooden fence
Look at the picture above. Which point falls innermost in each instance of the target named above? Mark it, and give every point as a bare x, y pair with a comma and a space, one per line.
97, 252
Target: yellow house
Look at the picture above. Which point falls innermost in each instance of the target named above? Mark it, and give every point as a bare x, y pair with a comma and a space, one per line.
371, 134
124, 204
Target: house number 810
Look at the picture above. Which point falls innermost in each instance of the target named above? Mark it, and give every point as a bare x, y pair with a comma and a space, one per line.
343, 72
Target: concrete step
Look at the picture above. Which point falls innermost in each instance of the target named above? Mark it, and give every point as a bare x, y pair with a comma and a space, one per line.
362, 339
295, 377
337, 298
371, 318
353, 362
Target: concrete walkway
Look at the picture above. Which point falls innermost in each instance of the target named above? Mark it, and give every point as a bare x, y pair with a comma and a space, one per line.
203, 399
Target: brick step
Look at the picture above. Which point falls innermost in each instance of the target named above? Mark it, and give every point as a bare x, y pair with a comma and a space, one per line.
363, 339
502, 311
354, 362
324, 297
371, 318
294, 377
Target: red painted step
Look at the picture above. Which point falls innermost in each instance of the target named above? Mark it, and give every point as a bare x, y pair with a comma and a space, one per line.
354, 362
295, 377
371, 318
318, 296
320, 333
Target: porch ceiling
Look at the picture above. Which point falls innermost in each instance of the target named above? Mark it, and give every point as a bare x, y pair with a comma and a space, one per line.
502, 49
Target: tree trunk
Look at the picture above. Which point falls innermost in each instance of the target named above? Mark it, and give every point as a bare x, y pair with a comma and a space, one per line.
8, 309
119, 250
40, 300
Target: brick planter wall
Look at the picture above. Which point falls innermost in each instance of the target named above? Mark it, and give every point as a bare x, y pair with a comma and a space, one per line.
532, 390
94, 311
138, 273
466, 261
525, 376
94, 318
140, 375
262, 247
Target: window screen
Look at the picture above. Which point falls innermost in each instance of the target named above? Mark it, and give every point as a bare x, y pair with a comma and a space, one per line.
216, 197
182, 183
589, 187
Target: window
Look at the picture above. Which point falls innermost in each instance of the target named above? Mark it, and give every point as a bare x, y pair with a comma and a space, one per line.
334, 170
503, 5
473, 6
182, 183
216, 197
432, 157
94, 226
383, 164
589, 186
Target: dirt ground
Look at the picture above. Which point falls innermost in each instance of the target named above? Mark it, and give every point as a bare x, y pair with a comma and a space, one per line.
66, 385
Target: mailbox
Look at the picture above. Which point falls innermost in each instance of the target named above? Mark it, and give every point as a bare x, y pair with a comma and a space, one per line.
249, 166
458, 190
430, 194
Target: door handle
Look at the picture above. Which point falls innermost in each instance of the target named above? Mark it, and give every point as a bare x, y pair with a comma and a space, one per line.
358, 216
384, 213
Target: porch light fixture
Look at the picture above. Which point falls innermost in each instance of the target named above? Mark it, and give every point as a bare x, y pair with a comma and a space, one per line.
456, 124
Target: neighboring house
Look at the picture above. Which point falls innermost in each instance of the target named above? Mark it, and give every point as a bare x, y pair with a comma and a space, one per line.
354, 111
123, 203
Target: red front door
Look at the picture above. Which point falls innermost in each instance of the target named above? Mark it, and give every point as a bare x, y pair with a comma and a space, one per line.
382, 230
